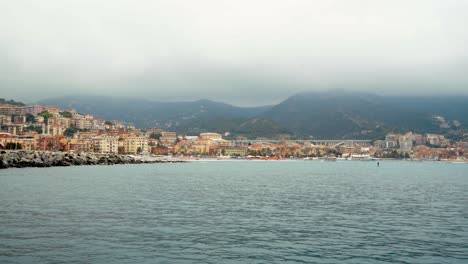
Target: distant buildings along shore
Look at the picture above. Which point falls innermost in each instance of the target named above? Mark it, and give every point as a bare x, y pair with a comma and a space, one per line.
49, 128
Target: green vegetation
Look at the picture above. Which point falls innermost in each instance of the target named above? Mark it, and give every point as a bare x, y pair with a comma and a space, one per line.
11, 102
264, 152
29, 118
331, 115
155, 136
12, 145
46, 115
66, 114
121, 150
251, 128
333, 152
70, 132
34, 128
395, 155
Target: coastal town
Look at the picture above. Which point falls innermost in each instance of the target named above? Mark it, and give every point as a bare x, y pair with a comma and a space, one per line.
51, 129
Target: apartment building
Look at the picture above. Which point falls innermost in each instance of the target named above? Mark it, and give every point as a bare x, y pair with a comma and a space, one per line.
106, 144
135, 145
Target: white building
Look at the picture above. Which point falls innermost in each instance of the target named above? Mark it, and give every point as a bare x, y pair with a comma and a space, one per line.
135, 145
106, 144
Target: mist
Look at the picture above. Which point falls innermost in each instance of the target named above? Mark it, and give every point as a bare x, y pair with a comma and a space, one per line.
240, 52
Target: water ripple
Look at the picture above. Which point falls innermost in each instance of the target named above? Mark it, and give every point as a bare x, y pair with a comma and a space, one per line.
236, 212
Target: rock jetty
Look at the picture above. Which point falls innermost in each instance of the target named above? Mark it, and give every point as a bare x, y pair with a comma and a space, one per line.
22, 159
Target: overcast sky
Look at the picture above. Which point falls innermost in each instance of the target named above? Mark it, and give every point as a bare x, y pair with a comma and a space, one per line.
243, 52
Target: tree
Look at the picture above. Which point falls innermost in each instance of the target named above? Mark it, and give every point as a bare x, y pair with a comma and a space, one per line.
13, 145
121, 150
11, 102
46, 115
70, 132
394, 155
34, 128
66, 114
29, 118
50, 145
155, 135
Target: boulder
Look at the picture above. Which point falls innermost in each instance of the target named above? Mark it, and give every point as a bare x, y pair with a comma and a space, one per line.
4, 164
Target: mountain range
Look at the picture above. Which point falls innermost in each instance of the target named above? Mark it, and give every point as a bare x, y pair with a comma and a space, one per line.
333, 114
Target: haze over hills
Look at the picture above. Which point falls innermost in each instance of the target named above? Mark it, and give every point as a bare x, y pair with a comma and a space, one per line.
147, 113
343, 114
187, 117
335, 114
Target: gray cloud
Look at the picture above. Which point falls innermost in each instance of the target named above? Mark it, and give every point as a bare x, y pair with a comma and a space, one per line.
245, 52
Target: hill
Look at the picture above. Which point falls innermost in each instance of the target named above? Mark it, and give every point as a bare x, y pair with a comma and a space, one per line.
184, 117
340, 114
335, 114
11, 102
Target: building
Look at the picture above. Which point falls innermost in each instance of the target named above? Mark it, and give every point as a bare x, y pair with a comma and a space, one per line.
212, 136
6, 138
62, 121
39, 119
184, 147
135, 145
24, 143
20, 119
9, 110
32, 109
419, 139
80, 145
49, 143
55, 130
99, 123
51, 109
161, 150
168, 136
406, 142
435, 139
380, 144
106, 144
82, 123
233, 151
86, 135
5, 120
153, 130
406, 145
27, 142
14, 129
391, 141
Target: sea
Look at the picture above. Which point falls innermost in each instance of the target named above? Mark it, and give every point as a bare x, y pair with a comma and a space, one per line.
236, 212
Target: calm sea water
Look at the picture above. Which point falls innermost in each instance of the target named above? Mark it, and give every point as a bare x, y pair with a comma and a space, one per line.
236, 212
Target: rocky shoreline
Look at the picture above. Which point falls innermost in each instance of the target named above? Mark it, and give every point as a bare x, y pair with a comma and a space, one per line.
23, 159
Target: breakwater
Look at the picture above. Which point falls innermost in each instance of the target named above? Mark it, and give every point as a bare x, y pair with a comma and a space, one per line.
23, 159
